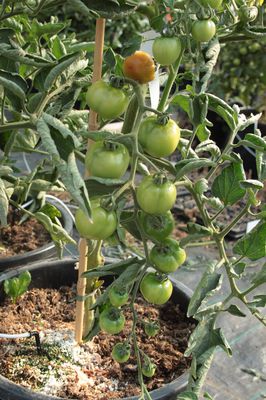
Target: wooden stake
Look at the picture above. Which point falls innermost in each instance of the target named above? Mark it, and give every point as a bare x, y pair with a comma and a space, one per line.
93, 126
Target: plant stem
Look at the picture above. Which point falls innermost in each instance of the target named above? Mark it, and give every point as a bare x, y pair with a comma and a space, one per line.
234, 222
16, 125
169, 84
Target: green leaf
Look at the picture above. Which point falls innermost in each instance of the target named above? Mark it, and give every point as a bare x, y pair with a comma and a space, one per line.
51, 211
188, 165
239, 269
187, 396
256, 140
99, 186
56, 71
182, 100
259, 301
221, 108
208, 146
128, 221
226, 186
4, 202
207, 396
112, 269
251, 184
16, 287
235, 310
253, 244
208, 285
14, 84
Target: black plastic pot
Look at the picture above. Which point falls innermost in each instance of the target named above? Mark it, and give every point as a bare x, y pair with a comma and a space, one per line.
42, 252
54, 274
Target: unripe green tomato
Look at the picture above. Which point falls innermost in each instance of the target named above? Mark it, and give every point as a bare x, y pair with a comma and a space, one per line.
107, 101
102, 226
112, 320
157, 227
203, 30
243, 51
167, 256
118, 296
212, 3
155, 195
156, 289
121, 352
236, 62
254, 47
166, 50
107, 160
247, 14
151, 328
148, 370
157, 139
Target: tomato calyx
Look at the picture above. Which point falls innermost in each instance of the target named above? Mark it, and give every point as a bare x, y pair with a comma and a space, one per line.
108, 145
163, 119
159, 179
113, 313
117, 82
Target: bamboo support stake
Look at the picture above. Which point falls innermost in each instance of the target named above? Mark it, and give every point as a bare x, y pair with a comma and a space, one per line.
93, 126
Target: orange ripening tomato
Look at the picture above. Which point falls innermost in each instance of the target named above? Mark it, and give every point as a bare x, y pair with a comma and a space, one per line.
140, 67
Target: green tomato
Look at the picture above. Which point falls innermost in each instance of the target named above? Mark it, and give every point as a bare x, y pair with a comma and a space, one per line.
118, 296
148, 369
121, 352
107, 160
166, 50
102, 226
158, 139
156, 289
247, 14
157, 227
151, 328
156, 195
112, 320
212, 3
107, 101
167, 256
203, 30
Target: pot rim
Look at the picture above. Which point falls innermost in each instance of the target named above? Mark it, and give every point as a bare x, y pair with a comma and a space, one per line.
47, 249
173, 388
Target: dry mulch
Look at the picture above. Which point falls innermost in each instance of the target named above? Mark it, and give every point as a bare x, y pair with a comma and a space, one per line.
95, 375
19, 238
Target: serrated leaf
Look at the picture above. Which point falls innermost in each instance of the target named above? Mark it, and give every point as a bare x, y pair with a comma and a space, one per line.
253, 244
226, 186
186, 166
256, 140
259, 301
239, 269
17, 286
221, 108
56, 71
208, 285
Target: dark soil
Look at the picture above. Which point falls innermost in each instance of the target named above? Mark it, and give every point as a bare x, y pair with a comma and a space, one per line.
19, 238
44, 309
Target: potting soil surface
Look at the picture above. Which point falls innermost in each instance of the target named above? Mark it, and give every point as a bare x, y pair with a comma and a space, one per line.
87, 372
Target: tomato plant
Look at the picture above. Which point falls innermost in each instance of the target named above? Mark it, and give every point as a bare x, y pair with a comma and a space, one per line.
166, 50
203, 30
109, 102
103, 223
159, 136
107, 160
140, 67
134, 168
112, 320
157, 227
167, 256
156, 195
156, 289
